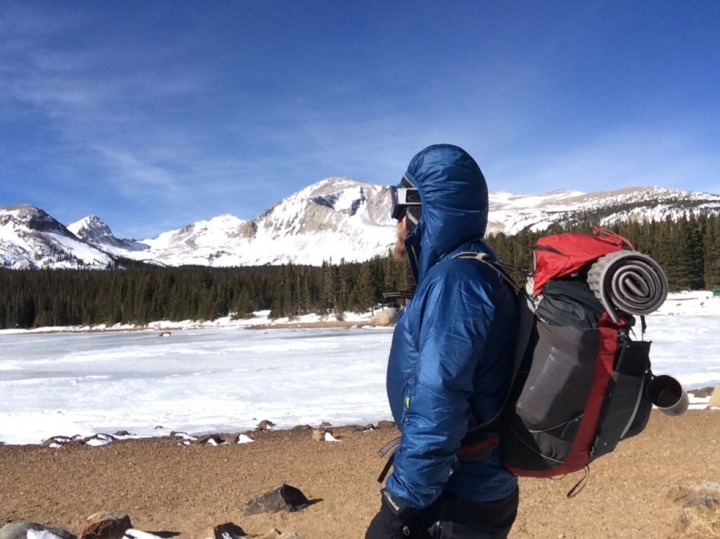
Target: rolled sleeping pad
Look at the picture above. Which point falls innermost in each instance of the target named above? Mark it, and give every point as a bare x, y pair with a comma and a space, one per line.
666, 393
628, 281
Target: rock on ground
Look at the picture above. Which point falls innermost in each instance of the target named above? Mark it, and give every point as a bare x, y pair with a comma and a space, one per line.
105, 525
282, 498
715, 399
18, 530
275, 534
699, 517
265, 424
228, 530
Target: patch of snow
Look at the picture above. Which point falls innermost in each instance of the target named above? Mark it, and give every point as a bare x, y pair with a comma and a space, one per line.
330, 438
137, 534
223, 380
41, 534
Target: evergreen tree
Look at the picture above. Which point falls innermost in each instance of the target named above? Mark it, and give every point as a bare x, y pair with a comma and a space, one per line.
688, 249
711, 269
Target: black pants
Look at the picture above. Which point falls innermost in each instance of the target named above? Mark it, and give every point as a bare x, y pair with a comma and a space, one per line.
452, 517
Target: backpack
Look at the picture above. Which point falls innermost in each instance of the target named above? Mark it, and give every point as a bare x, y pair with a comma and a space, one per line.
581, 384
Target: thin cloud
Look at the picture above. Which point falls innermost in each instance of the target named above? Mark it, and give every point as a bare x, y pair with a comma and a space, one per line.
206, 118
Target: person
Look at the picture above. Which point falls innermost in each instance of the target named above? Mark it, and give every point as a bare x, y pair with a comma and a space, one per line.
451, 359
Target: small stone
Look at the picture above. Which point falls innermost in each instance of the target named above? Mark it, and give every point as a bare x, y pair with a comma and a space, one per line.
243, 439
703, 393
265, 425
325, 425
211, 439
281, 498
105, 525
710, 488
696, 509
122, 433
229, 530
183, 435
385, 425
677, 493
301, 428
60, 441
330, 438
715, 399
98, 440
138, 534
707, 502
352, 428
19, 530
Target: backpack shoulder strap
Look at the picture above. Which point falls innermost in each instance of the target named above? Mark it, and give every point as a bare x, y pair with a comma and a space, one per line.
497, 266
525, 326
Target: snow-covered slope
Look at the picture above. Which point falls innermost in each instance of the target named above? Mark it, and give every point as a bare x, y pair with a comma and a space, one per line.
93, 230
339, 218
332, 220
513, 213
32, 239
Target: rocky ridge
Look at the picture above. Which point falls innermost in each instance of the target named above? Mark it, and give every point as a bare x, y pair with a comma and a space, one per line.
332, 220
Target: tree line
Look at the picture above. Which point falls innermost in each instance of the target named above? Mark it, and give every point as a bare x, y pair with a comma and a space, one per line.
142, 294
688, 249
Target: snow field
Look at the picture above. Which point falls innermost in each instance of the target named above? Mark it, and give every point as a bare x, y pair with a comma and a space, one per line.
227, 379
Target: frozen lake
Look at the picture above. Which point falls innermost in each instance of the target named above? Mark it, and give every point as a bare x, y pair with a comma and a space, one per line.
193, 381
230, 379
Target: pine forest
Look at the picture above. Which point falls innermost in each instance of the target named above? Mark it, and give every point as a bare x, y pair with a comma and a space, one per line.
688, 249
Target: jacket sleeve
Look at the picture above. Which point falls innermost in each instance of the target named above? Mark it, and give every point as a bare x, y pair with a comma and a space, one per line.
451, 338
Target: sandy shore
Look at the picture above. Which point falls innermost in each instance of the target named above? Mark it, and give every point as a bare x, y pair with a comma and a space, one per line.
313, 325
167, 487
170, 327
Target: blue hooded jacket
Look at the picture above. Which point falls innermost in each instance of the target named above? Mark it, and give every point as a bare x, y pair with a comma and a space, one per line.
452, 349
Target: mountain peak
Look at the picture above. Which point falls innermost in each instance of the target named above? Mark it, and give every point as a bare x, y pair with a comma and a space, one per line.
333, 219
30, 217
90, 228
32, 239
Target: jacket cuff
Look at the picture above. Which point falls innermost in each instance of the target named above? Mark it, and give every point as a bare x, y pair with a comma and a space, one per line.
398, 508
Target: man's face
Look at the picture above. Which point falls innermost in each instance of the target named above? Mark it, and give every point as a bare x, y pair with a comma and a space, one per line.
399, 251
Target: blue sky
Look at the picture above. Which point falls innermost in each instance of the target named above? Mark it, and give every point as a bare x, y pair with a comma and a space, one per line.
153, 115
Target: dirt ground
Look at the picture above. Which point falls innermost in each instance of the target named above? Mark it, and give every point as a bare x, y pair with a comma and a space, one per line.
166, 487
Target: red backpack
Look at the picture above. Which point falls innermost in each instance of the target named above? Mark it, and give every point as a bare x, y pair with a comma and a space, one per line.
581, 383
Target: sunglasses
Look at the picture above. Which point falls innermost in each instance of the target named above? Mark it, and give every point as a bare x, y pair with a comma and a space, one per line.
401, 198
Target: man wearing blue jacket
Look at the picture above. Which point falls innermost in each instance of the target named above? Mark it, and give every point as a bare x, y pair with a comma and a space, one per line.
451, 359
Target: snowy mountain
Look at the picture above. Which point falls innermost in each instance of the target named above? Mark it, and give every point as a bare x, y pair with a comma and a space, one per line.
331, 220
513, 213
32, 239
93, 230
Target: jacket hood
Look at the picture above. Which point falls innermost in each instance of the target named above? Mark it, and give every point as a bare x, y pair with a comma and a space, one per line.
454, 199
